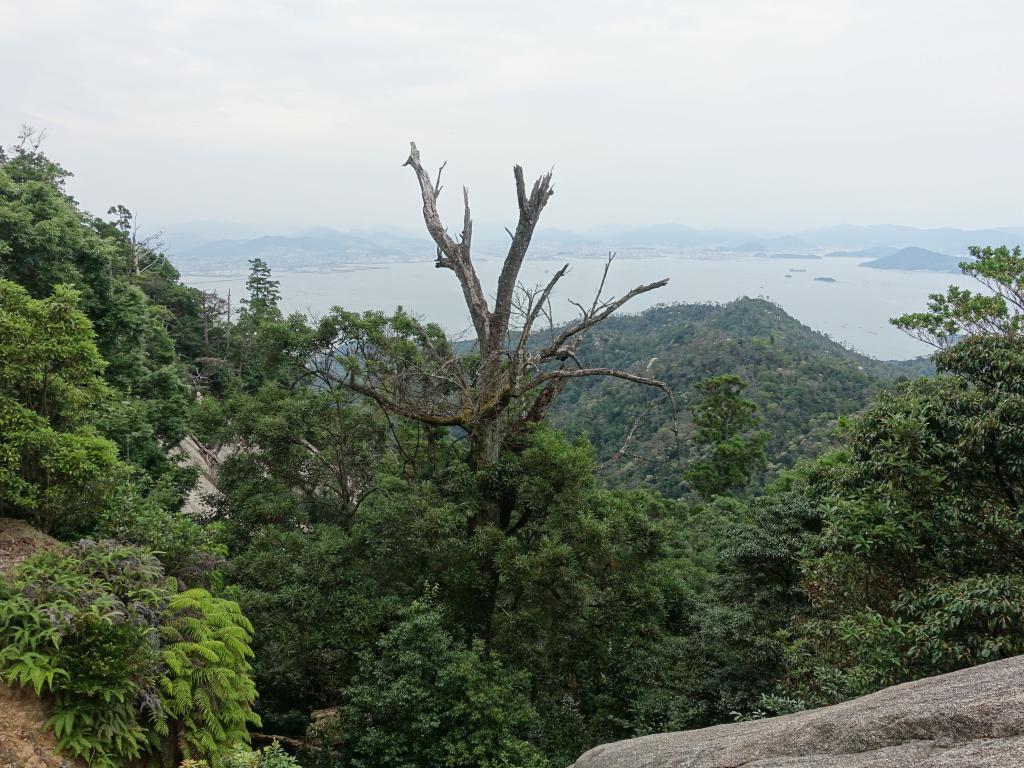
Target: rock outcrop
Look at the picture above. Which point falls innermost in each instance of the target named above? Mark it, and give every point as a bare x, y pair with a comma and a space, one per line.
192, 453
973, 718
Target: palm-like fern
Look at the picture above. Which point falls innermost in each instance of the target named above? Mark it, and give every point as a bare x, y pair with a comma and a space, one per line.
206, 686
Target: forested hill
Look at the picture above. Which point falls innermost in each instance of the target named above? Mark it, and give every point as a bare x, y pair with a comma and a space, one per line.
800, 379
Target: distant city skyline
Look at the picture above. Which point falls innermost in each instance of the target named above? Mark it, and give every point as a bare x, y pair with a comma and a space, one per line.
769, 116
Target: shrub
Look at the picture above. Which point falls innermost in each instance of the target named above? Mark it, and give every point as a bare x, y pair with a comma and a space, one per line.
423, 698
206, 686
101, 628
241, 757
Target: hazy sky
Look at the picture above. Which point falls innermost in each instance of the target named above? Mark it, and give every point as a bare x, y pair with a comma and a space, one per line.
773, 113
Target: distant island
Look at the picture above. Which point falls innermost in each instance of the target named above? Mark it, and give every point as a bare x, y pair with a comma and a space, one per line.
917, 259
826, 280
793, 256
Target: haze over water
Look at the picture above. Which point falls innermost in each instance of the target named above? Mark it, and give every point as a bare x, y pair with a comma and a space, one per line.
854, 310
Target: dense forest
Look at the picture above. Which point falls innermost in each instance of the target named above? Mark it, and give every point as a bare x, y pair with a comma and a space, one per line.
800, 381
419, 553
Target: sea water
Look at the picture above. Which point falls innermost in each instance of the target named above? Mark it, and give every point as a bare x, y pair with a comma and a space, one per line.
855, 309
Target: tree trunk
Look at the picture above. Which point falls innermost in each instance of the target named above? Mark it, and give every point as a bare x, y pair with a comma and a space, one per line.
170, 752
485, 443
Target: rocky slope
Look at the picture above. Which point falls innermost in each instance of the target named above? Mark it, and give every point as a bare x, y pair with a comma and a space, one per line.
973, 718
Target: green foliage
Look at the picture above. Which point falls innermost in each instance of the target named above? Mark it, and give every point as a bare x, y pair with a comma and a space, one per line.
507, 612
724, 422
746, 591
585, 599
54, 468
101, 629
46, 241
800, 380
272, 756
960, 312
79, 626
206, 685
306, 457
263, 290
917, 568
420, 698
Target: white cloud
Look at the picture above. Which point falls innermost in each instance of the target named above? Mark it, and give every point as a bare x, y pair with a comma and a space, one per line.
751, 112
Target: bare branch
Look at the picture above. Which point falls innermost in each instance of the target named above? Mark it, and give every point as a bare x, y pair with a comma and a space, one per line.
517, 171
437, 183
630, 435
329, 377
537, 308
452, 255
604, 277
570, 373
429, 192
529, 214
590, 319
467, 222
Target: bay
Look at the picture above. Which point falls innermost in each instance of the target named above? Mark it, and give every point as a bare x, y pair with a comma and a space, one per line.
835, 295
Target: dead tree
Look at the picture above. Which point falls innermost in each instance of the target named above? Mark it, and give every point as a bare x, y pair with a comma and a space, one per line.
143, 252
517, 369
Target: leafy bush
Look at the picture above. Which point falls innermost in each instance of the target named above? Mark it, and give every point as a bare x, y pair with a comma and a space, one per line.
80, 625
240, 757
422, 698
102, 629
917, 570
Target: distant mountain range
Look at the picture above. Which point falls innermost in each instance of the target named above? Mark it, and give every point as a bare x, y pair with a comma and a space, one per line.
318, 248
947, 240
210, 246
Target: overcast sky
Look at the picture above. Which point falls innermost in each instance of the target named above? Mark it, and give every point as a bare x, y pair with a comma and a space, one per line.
776, 114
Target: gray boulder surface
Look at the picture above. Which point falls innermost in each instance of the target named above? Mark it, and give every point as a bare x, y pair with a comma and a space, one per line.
973, 718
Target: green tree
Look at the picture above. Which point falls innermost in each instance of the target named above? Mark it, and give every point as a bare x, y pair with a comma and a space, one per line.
917, 568
301, 457
264, 293
54, 467
45, 240
726, 424
421, 698
959, 312
588, 595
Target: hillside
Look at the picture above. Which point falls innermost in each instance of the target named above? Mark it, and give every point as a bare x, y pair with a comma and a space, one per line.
800, 380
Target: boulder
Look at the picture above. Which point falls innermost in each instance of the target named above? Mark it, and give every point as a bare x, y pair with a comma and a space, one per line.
973, 718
